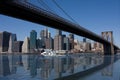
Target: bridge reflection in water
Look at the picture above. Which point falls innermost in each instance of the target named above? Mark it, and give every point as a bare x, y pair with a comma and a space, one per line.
72, 67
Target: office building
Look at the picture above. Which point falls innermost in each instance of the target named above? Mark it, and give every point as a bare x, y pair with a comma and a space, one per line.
33, 40
17, 46
71, 39
58, 43
11, 41
87, 46
84, 39
43, 38
44, 35
77, 45
4, 41
58, 32
58, 40
26, 45
39, 43
66, 43
97, 47
49, 43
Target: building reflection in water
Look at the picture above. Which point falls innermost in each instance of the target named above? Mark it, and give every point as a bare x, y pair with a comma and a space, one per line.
108, 71
49, 68
33, 65
13, 59
46, 69
4, 65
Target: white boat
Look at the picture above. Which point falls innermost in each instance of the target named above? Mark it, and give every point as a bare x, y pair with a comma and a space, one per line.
48, 52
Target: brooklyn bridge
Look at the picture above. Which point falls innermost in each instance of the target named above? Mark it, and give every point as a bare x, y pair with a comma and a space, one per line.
27, 11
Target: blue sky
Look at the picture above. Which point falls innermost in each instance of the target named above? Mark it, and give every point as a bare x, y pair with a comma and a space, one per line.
95, 15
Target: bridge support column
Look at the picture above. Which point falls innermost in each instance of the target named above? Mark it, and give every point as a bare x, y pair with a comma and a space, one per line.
108, 48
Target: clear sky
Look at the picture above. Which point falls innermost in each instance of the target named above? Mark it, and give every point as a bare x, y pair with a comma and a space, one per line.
95, 15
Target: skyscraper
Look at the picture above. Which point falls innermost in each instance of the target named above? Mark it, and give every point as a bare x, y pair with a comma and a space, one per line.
84, 39
33, 40
49, 43
49, 34
71, 38
11, 41
26, 45
87, 46
46, 39
58, 41
42, 33
17, 46
58, 32
46, 34
66, 43
4, 41
39, 43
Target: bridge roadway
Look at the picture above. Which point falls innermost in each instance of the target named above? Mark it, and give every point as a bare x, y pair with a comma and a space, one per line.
32, 13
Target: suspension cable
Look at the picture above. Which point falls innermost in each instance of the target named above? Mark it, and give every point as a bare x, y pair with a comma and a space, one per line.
63, 11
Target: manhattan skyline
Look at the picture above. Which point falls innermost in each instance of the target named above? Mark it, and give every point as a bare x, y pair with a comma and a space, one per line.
96, 16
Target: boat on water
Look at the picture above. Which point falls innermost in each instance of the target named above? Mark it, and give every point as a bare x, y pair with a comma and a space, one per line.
48, 52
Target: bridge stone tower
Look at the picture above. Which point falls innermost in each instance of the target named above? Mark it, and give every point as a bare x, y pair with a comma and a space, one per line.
108, 49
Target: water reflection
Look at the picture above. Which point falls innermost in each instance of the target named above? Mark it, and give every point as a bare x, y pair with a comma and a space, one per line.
108, 71
4, 66
36, 67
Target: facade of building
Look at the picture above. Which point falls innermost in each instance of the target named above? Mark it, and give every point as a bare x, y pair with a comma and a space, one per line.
71, 39
11, 41
58, 32
58, 43
58, 40
86, 46
77, 45
17, 46
33, 40
26, 45
49, 43
39, 43
66, 43
97, 47
44, 34
4, 41
84, 39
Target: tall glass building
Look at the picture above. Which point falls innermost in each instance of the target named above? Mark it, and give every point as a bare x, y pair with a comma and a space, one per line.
11, 41
71, 39
58, 40
26, 45
4, 41
33, 39
66, 43
58, 32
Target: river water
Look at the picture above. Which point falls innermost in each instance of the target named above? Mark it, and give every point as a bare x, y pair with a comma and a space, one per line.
69, 67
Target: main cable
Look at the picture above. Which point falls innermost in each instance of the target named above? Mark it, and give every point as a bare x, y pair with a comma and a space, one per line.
45, 5
63, 11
